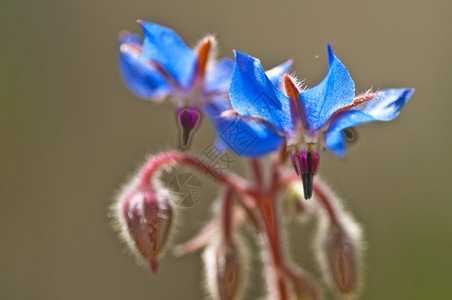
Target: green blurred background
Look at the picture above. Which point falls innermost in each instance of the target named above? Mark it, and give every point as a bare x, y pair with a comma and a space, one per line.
71, 133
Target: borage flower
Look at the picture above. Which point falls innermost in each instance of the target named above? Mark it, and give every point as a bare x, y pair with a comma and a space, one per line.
162, 67
305, 121
241, 134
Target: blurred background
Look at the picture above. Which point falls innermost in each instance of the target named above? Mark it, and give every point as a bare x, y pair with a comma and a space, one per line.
71, 133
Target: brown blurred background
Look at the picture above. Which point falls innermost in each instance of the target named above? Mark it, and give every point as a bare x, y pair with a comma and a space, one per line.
71, 133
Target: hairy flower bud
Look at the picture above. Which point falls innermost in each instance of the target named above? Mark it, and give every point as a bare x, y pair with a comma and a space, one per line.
341, 256
188, 119
224, 264
145, 220
339, 251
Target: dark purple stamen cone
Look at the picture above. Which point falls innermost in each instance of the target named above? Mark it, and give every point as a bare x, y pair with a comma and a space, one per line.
307, 179
188, 119
306, 164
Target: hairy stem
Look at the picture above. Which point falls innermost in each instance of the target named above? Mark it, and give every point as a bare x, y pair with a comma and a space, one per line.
227, 179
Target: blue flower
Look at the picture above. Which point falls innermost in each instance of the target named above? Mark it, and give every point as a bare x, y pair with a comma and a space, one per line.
239, 134
305, 121
162, 67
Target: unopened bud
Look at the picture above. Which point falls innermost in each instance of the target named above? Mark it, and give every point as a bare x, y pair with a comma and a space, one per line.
145, 219
188, 119
225, 264
340, 259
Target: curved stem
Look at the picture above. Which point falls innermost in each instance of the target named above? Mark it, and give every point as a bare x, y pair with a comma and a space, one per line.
232, 181
324, 200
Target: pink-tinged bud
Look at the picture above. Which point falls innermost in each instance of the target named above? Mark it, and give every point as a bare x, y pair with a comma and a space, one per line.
339, 255
188, 119
225, 268
145, 219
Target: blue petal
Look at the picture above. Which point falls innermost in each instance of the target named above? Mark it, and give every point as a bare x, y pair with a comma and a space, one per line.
336, 91
384, 108
165, 47
218, 77
277, 72
253, 94
245, 138
335, 142
141, 78
388, 104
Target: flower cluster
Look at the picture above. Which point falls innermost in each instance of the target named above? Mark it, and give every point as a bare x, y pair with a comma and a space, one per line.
255, 113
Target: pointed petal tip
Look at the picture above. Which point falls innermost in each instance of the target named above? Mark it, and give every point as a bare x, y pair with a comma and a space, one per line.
237, 53
330, 53
242, 56
288, 63
140, 21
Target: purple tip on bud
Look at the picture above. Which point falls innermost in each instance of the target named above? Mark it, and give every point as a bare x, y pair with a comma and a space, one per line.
188, 119
154, 266
306, 164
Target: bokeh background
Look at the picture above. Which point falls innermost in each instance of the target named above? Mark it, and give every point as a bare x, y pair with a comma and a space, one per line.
71, 133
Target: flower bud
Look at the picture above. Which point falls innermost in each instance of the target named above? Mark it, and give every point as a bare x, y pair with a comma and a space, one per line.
224, 265
145, 219
188, 119
339, 255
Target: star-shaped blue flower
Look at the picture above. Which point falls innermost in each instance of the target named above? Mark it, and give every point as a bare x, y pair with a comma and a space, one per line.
305, 121
239, 134
162, 67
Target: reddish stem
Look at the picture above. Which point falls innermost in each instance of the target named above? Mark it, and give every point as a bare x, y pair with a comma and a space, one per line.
230, 180
266, 204
227, 215
321, 194
257, 173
